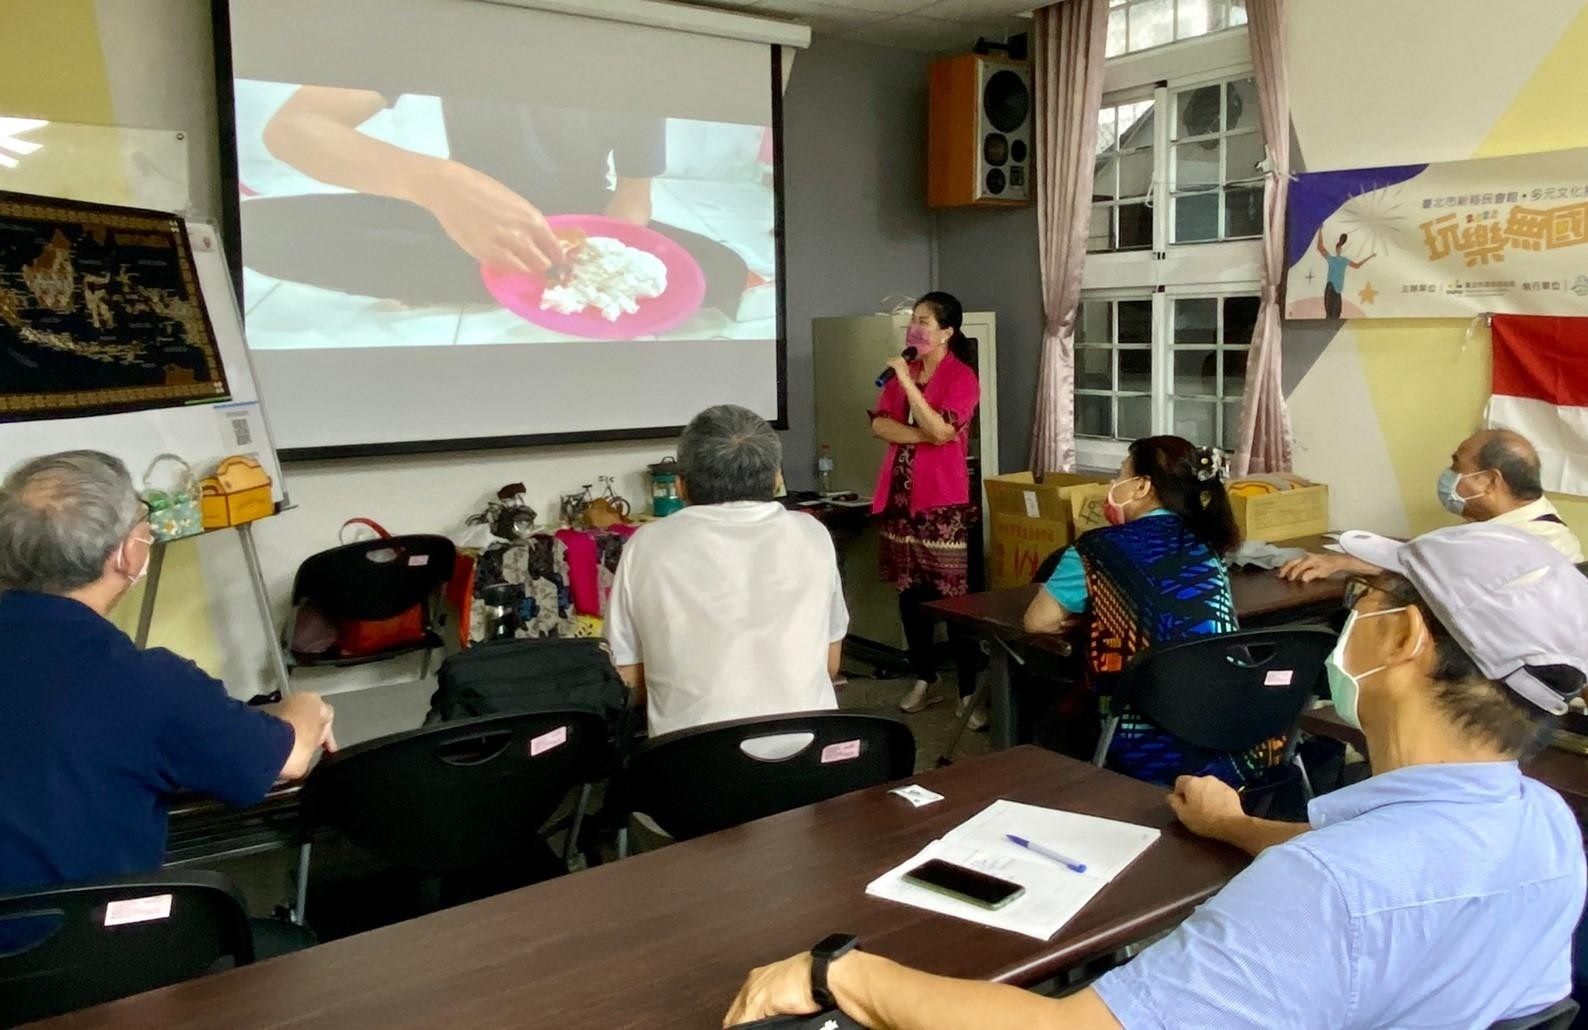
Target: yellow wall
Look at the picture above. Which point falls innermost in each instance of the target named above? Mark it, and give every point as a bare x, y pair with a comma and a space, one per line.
1428, 380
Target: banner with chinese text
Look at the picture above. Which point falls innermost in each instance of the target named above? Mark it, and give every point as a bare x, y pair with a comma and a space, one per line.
1456, 239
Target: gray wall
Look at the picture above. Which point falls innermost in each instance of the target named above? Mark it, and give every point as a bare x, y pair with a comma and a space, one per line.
988, 259
855, 218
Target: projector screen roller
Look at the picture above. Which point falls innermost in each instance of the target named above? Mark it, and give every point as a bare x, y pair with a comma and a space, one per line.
466, 223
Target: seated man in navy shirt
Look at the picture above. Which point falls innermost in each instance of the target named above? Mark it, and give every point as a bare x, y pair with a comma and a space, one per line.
96, 735
1440, 892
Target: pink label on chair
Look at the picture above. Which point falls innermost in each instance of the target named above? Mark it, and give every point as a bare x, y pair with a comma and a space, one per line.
419, 559
138, 910
1279, 678
843, 751
546, 741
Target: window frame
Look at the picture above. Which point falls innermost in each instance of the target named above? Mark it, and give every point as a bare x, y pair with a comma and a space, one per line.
1169, 271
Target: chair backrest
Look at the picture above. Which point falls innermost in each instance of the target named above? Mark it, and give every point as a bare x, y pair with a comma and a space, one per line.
702, 780
66, 948
460, 795
1558, 1016
1228, 692
375, 579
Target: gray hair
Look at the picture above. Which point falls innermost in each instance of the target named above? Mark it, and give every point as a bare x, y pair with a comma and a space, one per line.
60, 517
729, 453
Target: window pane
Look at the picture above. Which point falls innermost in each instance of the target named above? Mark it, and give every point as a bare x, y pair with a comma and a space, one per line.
1094, 369
1196, 164
1197, 111
1237, 12
1232, 425
1151, 24
1242, 154
1135, 124
1241, 110
1091, 322
1194, 17
1100, 236
1234, 373
1196, 320
1194, 421
1240, 316
1135, 321
1135, 227
1243, 215
1135, 370
1105, 181
1106, 135
1094, 416
1196, 217
1196, 374
1135, 417
1135, 173
1116, 33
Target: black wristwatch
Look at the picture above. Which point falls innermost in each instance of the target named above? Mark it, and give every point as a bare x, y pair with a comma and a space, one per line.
831, 947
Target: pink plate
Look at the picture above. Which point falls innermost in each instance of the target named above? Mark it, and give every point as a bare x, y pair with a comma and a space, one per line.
686, 285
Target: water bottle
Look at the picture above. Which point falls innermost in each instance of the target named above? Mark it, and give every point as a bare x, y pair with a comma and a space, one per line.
824, 471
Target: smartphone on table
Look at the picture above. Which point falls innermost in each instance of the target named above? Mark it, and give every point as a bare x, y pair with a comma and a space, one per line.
980, 889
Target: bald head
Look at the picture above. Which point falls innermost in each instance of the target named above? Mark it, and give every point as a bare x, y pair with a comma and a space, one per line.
1513, 460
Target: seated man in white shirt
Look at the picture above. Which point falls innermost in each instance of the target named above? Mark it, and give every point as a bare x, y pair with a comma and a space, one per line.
1493, 477
731, 608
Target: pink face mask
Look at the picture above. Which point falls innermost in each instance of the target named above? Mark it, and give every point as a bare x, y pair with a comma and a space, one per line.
920, 338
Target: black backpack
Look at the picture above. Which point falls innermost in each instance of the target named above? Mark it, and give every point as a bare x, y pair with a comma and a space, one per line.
503, 676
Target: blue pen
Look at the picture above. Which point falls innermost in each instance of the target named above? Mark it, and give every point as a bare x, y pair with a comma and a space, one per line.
1069, 863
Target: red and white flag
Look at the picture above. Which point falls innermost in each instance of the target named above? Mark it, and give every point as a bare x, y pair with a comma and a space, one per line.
1541, 391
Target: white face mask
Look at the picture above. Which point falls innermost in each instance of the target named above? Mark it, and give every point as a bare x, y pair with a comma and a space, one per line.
147, 554
1345, 689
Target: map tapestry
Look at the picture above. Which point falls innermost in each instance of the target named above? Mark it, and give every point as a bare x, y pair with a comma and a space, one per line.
100, 312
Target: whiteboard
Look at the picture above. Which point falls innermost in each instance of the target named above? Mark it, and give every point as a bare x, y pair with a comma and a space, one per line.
200, 434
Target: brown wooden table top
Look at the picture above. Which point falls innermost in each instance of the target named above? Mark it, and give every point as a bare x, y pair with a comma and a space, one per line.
1564, 771
664, 939
1258, 594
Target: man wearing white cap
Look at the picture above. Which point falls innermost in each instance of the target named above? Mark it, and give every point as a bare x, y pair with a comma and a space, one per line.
1441, 891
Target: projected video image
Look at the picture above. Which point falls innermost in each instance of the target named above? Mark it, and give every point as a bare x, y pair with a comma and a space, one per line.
377, 220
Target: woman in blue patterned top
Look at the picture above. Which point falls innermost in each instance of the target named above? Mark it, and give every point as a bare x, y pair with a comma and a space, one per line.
1154, 576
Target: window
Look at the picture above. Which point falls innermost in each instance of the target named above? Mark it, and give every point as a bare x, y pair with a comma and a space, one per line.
1169, 295
1135, 25
1149, 363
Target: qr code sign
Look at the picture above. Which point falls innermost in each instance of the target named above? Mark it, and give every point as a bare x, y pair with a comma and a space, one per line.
240, 432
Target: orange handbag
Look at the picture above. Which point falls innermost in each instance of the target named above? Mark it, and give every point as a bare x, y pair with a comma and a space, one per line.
357, 637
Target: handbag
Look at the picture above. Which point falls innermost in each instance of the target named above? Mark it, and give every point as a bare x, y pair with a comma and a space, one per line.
175, 509
359, 637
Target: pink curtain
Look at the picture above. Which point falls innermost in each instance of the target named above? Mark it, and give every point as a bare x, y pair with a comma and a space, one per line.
1069, 88
1265, 441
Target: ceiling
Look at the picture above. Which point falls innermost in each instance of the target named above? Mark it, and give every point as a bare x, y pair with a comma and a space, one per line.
929, 25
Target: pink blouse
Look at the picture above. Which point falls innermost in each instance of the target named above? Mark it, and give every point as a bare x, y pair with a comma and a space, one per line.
939, 474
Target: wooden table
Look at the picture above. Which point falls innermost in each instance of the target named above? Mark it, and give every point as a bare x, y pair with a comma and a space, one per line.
1564, 771
1261, 597
664, 939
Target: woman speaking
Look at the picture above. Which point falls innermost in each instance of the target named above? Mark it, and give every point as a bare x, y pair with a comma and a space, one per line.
923, 489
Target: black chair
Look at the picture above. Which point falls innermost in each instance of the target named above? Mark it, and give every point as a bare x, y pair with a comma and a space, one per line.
373, 580
456, 798
57, 953
701, 780
1228, 692
1558, 1016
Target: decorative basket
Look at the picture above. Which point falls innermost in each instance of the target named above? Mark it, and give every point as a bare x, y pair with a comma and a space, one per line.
171, 491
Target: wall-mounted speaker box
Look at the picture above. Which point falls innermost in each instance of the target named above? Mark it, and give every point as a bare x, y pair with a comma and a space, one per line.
980, 131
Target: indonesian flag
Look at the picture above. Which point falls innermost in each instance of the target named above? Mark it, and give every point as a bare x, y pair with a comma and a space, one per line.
1541, 391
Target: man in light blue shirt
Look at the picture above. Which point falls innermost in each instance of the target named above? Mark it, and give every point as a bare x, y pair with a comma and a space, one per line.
1441, 892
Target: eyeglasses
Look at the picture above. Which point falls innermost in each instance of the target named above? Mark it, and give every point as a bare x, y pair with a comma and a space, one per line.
1355, 589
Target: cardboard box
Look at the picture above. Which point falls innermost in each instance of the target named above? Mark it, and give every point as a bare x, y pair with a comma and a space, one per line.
1279, 514
1031, 518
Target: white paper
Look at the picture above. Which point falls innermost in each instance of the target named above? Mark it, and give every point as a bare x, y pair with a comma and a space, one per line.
1032, 511
1054, 893
138, 910
917, 795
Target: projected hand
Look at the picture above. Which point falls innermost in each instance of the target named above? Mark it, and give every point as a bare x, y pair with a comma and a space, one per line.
490, 222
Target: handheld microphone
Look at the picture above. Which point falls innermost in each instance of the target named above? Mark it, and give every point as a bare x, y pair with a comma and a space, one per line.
887, 373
